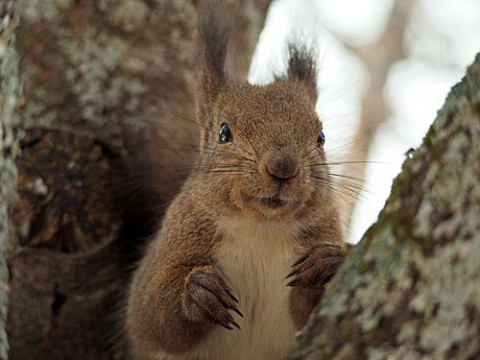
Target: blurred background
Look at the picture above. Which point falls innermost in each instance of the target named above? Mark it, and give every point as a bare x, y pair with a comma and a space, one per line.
385, 68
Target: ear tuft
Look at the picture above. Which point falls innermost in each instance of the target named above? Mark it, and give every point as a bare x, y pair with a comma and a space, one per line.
214, 26
301, 68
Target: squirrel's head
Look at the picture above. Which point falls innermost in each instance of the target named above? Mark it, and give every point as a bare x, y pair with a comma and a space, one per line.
261, 146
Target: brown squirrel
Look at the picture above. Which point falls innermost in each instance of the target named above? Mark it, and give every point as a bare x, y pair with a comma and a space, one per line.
249, 243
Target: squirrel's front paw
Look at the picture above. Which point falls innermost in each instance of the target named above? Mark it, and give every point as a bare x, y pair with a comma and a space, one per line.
207, 297
315, 268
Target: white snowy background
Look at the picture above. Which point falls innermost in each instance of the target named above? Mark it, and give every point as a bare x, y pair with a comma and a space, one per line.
442, 38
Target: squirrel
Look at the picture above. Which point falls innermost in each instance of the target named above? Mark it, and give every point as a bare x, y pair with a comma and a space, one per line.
247, 246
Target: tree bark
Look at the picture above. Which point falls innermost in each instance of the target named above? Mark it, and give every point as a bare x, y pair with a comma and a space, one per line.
411, 288
100, 79
9, 149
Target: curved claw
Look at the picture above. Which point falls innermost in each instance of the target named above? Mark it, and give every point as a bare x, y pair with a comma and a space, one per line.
315, 268
208, 297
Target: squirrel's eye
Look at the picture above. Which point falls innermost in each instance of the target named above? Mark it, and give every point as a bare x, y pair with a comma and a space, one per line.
321, 139
224, 135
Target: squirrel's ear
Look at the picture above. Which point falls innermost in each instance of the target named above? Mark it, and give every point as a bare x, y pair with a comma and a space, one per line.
213, 33
301, 68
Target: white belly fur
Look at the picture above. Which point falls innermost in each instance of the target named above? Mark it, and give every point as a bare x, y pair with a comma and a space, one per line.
255, 259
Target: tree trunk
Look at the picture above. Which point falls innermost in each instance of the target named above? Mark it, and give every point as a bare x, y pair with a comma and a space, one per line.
411, 288
9, 94
100, 79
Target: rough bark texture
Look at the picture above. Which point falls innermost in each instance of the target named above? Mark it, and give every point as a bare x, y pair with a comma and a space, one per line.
411, 288
9, 149
100, 80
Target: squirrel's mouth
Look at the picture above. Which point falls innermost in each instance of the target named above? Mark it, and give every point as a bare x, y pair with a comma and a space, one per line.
269, 202
272, 203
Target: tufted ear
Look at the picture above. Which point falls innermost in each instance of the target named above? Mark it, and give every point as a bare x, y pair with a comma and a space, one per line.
301, 68
214, 26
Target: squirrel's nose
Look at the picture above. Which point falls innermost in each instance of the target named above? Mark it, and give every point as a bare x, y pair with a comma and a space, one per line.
282, 168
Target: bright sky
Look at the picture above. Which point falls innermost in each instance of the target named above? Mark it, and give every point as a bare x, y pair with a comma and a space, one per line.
442, 39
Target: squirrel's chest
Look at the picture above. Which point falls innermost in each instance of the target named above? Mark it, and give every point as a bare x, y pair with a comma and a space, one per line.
255, 259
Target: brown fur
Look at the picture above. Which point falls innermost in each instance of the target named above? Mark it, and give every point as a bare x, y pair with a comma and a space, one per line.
247, 246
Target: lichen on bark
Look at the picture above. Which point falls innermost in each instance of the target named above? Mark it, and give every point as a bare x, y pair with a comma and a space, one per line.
9, 148
411, 288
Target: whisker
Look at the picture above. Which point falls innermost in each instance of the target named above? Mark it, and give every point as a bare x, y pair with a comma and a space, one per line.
246, 137
221, 155
314, 148
195, 122
346, 163
349, 189
197, 148
342, 146
345, 195
357, 189
233, 171
349, 177
209, 163
242, 148
352, 180
214, 152
220, 167
253, 147
235, 156
342, 176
